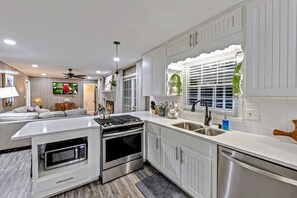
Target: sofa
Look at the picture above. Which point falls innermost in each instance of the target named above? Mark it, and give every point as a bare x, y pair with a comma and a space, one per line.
11, 122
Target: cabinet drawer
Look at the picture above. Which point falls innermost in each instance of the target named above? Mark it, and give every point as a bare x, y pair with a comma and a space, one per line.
58, 182
153, 128
196, 144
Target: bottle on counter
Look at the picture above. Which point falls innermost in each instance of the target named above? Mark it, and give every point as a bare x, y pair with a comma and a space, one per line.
225, 123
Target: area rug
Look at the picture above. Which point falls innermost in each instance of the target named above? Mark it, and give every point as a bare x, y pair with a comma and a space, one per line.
158, 186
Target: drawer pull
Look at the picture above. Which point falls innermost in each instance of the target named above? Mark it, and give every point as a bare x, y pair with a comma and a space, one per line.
64, 180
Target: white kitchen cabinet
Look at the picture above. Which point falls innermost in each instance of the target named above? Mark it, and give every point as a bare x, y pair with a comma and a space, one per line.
218, 28
170, 163
154, 68
153, 148
187, 161
195, 173
147, 74
271, 42
180, 44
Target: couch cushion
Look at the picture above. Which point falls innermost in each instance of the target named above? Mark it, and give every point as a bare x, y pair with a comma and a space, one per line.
23, 109
52, 114
11, 116
42, 110
75, 112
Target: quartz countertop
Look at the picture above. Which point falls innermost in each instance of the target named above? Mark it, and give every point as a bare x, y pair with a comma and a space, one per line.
268, 148
54, 126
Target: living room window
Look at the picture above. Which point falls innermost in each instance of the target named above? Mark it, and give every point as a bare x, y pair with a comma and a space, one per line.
210, 79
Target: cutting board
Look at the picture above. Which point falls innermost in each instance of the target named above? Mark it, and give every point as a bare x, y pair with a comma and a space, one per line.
292, 134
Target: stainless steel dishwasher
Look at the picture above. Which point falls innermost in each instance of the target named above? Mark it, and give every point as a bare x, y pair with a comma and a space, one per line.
243, 176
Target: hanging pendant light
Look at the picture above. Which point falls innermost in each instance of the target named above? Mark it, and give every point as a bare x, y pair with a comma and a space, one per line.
116, 58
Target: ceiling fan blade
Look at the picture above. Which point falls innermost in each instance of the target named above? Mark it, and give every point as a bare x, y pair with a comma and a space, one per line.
66, 74
77, 76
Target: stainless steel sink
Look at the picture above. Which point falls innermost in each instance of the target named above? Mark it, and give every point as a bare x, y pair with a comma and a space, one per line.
209, 131
198, 128
188, 126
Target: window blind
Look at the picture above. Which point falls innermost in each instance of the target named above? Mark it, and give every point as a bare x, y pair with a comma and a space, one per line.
211, 80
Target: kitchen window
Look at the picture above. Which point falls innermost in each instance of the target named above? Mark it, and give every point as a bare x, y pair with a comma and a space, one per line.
210, 79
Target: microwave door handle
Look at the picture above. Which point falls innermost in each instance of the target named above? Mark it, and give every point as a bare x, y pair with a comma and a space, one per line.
76, 153
259, 171
123, 133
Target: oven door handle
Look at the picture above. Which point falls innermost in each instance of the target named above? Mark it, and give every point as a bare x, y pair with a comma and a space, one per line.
130, 132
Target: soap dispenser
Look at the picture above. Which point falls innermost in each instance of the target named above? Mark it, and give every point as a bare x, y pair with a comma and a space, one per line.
225, 123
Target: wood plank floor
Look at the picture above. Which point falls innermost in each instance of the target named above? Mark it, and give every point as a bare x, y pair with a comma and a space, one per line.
15, 181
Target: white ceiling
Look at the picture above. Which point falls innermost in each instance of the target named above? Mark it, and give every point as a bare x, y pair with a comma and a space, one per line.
79, 34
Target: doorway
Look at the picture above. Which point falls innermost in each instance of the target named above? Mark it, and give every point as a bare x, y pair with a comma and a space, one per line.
129, 95
90, 98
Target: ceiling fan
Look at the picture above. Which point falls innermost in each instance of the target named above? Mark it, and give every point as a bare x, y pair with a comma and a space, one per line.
72, 75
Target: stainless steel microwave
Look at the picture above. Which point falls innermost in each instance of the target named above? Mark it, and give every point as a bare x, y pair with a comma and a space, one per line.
64, 153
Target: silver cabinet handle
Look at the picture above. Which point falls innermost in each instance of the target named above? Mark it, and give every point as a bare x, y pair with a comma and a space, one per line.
176, 153
157, 143
190, 40
181, 156
64, 180
258, 170
196, 38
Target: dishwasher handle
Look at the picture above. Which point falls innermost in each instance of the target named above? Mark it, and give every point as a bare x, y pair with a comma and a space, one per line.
258, 170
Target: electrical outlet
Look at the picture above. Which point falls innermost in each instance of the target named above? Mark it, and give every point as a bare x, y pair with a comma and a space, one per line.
252, 114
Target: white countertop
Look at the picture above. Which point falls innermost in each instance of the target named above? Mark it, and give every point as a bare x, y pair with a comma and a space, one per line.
269, 148
54, 126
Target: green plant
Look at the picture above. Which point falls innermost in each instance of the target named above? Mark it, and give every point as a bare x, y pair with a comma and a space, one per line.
176, 81
236, 80
99, 106
113, 82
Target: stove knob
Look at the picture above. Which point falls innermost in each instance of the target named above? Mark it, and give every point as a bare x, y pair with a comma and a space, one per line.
110, 124
105, 125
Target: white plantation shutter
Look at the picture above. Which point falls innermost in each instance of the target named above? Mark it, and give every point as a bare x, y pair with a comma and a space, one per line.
210, 80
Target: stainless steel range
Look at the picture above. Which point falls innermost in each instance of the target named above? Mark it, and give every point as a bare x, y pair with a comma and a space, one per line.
121, 146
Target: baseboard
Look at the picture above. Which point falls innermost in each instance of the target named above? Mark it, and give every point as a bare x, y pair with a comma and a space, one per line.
15, 149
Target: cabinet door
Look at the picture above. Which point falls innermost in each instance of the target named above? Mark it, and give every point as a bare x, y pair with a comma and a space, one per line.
180, 44
158, 73
170, 164
147, 74
195, 173
271, 41
153, 149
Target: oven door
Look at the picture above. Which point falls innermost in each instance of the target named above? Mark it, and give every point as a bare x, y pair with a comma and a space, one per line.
121, 147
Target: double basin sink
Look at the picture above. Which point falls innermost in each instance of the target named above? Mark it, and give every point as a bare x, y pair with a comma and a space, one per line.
198, 128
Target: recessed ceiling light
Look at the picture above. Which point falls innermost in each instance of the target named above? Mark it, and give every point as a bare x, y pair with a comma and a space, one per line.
98, 72
116, 59
34, 65
9, 42
43, 74
89, 77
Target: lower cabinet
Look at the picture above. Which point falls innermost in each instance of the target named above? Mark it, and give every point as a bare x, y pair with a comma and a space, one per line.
153, 148
195, 173
182, 159
170, 163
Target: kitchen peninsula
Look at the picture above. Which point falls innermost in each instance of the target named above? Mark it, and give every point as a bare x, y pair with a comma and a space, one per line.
53, 181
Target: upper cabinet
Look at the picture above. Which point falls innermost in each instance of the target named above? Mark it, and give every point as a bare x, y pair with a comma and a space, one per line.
180, 44
154, 67
271, 48
218, 28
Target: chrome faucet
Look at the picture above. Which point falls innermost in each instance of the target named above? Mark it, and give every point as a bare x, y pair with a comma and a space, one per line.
207, 116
